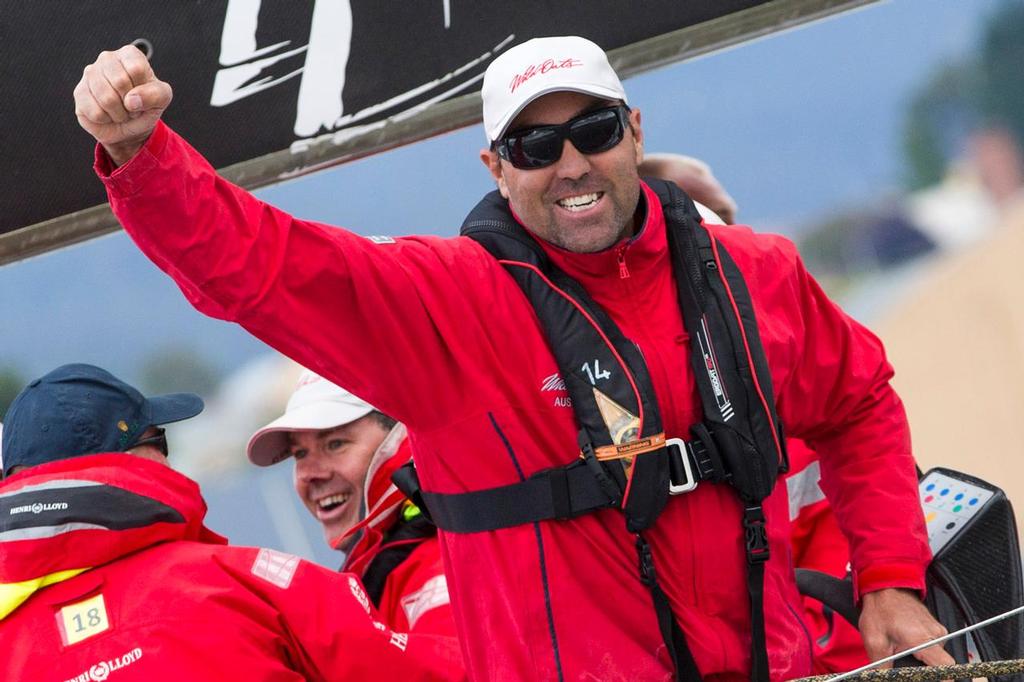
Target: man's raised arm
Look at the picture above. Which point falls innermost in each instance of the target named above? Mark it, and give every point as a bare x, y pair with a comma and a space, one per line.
331, 300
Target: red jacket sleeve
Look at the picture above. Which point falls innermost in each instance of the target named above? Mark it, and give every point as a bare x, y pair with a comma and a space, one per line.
833, 391
332, 631
334, 301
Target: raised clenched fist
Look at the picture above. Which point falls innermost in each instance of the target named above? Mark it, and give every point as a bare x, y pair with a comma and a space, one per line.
119, 100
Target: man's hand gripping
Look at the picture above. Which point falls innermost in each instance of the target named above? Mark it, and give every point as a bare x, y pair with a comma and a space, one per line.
119, 100
893, 620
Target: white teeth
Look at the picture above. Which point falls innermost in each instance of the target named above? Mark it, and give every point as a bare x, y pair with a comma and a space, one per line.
332, 500
579, 203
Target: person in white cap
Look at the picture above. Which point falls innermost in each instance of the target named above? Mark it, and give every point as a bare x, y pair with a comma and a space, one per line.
332, 436
344, 453
549, 364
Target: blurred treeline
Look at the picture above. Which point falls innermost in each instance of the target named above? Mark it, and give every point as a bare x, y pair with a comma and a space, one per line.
168, 369
963, 129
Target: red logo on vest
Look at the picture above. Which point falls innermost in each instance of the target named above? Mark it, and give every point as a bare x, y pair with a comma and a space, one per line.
543, 67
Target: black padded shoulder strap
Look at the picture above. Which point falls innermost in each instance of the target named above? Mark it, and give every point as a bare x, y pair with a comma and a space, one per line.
604, 373
734, 383
726, 353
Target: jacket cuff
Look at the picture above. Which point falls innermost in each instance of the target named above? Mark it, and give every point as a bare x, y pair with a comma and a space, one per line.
129, 178
908, 576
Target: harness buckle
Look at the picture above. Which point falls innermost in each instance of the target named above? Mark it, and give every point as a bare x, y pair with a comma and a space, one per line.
646, 562
681, 478
756, 535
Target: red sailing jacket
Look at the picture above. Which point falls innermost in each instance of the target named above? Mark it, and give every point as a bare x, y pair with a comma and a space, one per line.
414, 597
435, 333
818, 544
106, 570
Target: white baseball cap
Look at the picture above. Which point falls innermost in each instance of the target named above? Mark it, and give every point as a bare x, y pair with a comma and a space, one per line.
539, 66
316, 404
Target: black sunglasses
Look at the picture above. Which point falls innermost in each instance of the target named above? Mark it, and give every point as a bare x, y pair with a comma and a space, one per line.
591, 133
159, 441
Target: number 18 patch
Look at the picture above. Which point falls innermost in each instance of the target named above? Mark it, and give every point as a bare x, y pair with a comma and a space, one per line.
82, 620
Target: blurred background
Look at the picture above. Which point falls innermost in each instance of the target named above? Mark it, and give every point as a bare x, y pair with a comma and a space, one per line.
886, 142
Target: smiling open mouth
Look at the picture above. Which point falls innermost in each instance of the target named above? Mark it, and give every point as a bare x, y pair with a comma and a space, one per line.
331, 502
580, 202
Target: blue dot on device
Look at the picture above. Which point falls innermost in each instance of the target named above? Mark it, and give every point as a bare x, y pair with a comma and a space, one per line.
959, 496
974, 500
944, 491
930, 487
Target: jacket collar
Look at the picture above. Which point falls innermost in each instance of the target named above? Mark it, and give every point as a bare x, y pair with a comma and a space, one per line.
382, 501
65, 517
639, 253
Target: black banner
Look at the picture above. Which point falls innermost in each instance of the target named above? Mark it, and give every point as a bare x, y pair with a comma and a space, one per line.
275, 87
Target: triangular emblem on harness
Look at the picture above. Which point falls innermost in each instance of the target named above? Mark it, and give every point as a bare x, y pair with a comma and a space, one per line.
623, 425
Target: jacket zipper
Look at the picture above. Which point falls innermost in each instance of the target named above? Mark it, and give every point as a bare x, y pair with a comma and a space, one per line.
623, 270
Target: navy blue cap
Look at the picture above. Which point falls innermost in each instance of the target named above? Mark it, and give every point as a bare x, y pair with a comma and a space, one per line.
81, 410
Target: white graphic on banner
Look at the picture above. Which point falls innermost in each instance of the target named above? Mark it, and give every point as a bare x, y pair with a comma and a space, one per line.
320, 105
242, 59
330, 40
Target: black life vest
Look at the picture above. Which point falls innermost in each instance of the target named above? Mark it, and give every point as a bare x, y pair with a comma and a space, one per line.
625, 459
398, 543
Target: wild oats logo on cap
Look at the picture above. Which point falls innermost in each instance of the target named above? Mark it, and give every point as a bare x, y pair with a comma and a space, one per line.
540, 66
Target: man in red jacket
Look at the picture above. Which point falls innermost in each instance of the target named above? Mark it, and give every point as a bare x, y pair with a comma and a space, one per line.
817, 542
106, 566
437, 333
345, 452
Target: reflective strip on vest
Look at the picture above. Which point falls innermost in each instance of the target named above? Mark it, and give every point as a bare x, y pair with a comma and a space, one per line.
803, 489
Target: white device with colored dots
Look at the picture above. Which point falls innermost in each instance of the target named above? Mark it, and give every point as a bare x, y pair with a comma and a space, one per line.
949, 505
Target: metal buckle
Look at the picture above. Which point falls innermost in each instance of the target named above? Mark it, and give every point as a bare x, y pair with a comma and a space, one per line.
690, 482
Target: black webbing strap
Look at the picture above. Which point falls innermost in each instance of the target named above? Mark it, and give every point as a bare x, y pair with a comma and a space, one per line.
558, 493
682, 660
756, 537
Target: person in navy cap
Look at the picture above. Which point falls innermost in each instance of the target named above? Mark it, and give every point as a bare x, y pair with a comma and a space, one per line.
81, 409
106, 565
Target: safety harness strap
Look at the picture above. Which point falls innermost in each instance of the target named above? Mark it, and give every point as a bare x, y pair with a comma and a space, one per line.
756, 537
561, 493
671, 633
557, 493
